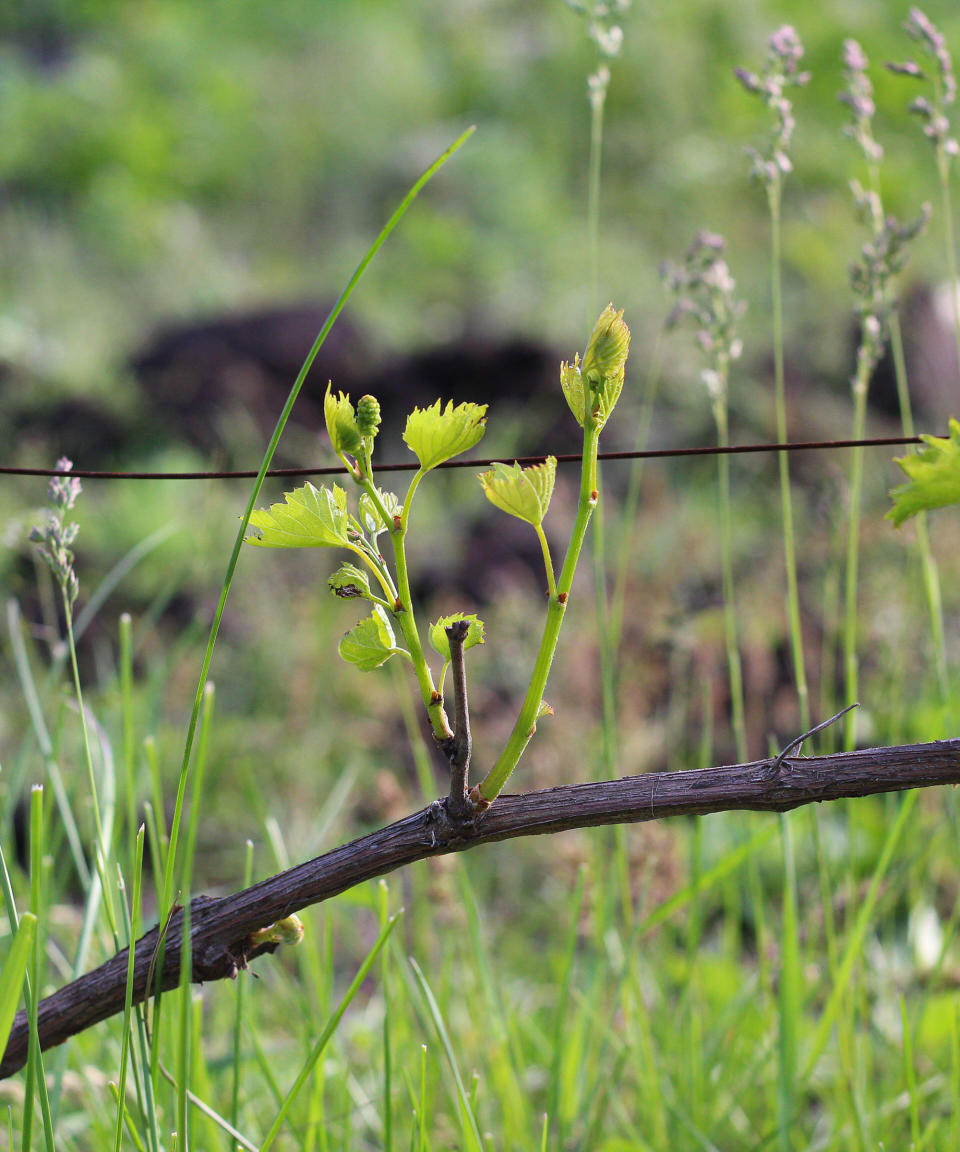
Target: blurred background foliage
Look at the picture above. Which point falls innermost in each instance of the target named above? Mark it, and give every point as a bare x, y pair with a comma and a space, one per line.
169, 159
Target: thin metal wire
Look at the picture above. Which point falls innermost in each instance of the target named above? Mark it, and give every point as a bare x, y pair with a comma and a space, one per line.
570, 458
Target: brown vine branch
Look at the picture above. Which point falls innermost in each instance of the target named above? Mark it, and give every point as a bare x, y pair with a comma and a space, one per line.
221, 928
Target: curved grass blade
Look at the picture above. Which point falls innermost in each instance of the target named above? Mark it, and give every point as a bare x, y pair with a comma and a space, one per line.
268, 455
328, 1031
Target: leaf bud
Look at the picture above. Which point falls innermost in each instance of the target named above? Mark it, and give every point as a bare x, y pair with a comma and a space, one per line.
608, 347
341, 422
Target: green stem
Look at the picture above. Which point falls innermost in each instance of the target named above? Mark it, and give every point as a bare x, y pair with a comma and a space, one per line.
729, 605
84, 733
547, 561
407, 620
850, 663
380, 570
786, 501
526, 724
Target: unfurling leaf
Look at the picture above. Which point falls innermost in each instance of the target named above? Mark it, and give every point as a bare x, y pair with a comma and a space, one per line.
522, 492
435, 435
438, 633
934, 477
593, 387
345, 435
371, 643
545, 709
349, 581
309, 518
607, 350
571, 381
370, 519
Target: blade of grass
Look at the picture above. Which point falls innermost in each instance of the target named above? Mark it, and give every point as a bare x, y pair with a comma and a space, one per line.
212, 1114
239, 1007
38, 891
419, 1137
790, 998
468, 1119
720, 871
856, 937
328, 1031
385, 993
185, 991
127, 1120
31, 698
13, 974
133, 932
563, 995
507, 1062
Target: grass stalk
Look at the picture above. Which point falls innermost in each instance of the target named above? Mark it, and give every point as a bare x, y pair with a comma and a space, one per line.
731, 639
328, 1031
237, 1061
38, 903
387, 1122
133, 934
851, 572
470, 1129
790, 997
783, 458
856, 936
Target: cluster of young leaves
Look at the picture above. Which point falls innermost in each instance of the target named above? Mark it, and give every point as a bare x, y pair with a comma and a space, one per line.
933, 477
312, 517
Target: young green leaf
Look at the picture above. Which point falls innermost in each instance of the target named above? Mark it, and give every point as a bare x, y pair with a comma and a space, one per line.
370, 517
571, 381
934, 477
438, 635
371, 643
341, 421
14, 970
522, 492
349, 581
435, 435
309, 518
607, 349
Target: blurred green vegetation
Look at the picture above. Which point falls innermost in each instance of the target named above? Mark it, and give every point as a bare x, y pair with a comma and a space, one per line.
174, 159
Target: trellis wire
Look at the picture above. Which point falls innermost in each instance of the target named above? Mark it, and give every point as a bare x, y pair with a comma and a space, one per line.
567, 458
